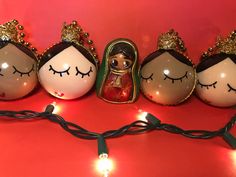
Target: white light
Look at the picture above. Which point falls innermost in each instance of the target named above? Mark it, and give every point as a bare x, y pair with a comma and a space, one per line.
233, 156
166, 71
56, 108
104, 165
157, 93
142, 115
5, 66
25, 83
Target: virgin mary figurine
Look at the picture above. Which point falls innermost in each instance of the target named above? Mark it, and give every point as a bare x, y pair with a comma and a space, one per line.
117, 80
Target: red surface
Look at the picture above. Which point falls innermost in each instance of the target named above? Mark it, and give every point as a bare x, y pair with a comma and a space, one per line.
40, 148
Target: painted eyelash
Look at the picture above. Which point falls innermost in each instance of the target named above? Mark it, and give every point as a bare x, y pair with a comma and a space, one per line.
59, 72
231, 88
207, 86
147, 78
83, 74
175, 79
23, 73
0, 73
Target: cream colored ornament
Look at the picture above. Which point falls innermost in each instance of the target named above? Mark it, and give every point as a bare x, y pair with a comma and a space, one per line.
68, 69
216, 84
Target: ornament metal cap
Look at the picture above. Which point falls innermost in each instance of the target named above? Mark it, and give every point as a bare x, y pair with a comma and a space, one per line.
227, 45
171, 41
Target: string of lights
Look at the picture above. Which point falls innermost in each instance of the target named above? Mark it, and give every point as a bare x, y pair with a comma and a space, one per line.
134, 128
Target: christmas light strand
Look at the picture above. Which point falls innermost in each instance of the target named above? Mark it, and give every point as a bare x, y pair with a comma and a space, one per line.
133, 128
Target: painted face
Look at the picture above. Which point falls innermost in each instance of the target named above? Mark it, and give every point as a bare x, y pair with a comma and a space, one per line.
216, 85
68, 74
120, 62
17, 72
166, 80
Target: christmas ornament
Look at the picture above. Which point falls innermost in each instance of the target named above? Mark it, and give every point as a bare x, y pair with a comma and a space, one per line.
117, 80
167, 75
67, 70
17, 62
216, 84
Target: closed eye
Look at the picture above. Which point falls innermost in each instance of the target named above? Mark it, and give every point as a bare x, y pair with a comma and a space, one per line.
147, 78
83, 74
231, 88
59, 72
176, 79
213, 85
23, 73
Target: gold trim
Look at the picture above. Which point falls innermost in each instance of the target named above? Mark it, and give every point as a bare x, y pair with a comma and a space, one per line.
227, 45
171, 41
12, 31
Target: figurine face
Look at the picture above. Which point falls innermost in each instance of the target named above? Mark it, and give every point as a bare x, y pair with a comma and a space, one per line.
166, 80
67, 75
120, 62
17, 72
217, 84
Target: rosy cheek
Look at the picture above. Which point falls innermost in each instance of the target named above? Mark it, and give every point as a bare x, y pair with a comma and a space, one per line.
150, 96
59, 94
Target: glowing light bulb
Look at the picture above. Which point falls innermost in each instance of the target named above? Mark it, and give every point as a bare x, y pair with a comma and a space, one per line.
52, 108
233, 157
56, 108
142, 115
104, 165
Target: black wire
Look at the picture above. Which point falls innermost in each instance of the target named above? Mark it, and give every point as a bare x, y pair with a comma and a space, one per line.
136, 127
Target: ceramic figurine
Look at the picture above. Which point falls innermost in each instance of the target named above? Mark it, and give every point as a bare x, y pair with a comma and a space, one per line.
168, 76
117, 80
216, 84
18, 62
68, 69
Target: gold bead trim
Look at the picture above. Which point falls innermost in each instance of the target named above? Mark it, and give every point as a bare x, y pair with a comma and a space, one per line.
13, 31
171, 41
227, 45
74, 33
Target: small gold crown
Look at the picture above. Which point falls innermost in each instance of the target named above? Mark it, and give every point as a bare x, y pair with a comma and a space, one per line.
74, 33
227, 45
171, 41
10, 31
71, 32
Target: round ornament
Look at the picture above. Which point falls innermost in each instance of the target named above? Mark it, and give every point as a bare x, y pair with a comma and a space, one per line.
168, 76
216, 84
67, 70
18, 76
118, 79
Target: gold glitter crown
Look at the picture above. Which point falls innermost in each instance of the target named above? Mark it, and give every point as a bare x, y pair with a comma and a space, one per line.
73, 33
227, 45
171, 41
9, 31
12, 31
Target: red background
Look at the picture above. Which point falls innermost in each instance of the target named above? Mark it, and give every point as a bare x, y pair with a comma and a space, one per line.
42, 149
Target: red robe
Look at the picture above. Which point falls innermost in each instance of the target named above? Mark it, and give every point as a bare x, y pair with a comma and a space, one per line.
118, 88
